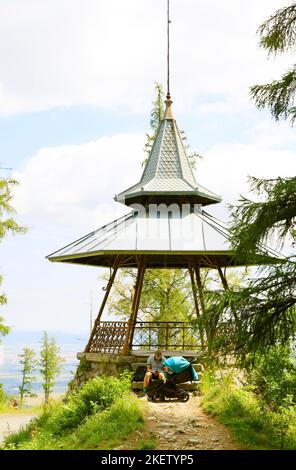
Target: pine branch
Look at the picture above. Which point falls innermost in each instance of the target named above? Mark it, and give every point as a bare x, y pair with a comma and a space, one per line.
278, 33
278, 96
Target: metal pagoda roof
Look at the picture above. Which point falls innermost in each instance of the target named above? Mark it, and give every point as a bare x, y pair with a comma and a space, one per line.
168, 176
168, 235
165, 239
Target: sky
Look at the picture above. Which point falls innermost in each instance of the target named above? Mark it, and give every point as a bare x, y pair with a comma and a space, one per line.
76, 86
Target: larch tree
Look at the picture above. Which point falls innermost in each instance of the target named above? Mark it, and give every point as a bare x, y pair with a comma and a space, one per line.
267, 306
278, 36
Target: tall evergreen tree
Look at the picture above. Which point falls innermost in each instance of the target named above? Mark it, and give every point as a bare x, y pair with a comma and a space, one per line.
50, 364
28, 364
267, 307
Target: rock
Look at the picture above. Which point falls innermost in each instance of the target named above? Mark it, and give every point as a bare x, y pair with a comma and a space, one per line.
200, 425
152, 418
193, 442
180, 431
193, 421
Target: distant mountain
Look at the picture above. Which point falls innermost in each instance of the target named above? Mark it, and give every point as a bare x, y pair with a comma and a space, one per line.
29, 337
12, 345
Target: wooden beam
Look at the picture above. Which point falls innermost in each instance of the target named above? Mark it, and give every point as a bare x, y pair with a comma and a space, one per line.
226, 287
200, 289
193, 285
223, 278
135, 307
105, 298
137, 303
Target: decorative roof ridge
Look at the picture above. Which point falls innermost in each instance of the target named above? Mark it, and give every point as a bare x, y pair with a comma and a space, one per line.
180, 137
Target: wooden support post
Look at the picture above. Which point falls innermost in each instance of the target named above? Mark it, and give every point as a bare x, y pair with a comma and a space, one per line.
105, 298
135, 307
200, 290
223, 278
202, 301
196, 304
226, 287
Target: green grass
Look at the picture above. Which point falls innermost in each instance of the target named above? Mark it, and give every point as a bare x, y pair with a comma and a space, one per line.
102, 415
148, 444
254, 426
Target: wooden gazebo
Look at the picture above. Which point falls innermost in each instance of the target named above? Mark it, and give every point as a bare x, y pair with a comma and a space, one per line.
166, 228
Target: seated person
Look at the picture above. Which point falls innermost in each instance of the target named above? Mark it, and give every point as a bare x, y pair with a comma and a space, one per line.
155, 369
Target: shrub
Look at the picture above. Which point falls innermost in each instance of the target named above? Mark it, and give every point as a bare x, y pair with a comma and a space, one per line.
100, 415
248, 416
96, 395
274, 377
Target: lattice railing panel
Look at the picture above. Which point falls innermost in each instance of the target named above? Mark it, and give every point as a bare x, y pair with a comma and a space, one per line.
109, 337
166, 335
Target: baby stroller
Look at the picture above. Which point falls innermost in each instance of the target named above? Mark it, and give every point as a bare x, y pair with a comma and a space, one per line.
181, 371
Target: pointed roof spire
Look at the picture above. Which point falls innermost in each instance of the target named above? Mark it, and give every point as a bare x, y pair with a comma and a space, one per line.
167, 176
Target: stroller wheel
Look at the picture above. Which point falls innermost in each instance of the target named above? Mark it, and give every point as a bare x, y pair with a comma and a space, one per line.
183, 396
161, 397
158, 397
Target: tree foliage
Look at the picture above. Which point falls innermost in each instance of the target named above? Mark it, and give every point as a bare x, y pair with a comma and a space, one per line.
274, 213
278, 35
7, 222
7, 225
166, 295
265, 376
266, 307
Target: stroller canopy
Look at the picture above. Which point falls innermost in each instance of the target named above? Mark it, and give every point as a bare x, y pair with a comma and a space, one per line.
178, 364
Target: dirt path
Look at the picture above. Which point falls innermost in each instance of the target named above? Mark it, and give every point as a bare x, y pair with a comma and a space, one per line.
183, 426
12, 423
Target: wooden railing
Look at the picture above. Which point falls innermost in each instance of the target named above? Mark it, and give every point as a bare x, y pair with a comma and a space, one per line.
110, 337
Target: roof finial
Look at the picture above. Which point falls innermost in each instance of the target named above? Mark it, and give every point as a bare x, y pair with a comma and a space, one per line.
168, 112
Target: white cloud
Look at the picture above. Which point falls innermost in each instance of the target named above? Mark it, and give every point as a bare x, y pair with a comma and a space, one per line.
66, 52
269, 134
226, 167
75, 184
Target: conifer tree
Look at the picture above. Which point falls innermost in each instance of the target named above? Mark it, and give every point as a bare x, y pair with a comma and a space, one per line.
50, 364
28, 363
